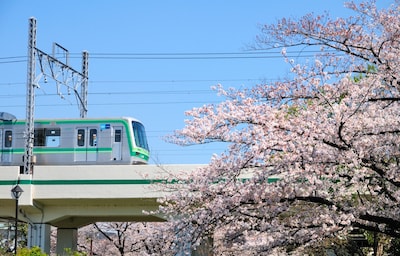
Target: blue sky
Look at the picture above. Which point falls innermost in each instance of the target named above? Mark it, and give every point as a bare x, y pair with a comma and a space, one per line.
151, 60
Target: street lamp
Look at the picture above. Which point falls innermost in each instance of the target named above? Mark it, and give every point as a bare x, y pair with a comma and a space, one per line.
16, 191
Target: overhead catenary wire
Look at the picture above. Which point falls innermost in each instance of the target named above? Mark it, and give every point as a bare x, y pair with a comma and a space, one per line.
174, 81
267, 54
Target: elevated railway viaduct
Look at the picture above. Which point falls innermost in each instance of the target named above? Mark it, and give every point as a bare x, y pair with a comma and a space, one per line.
69, 197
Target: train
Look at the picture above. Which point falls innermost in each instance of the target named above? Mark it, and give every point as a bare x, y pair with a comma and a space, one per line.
80, 141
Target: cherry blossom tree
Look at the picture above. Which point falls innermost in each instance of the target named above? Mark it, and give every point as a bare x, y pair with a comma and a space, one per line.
121, 238
124, 238
329, 132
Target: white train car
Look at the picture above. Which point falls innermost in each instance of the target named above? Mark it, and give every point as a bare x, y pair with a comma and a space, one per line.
89, 141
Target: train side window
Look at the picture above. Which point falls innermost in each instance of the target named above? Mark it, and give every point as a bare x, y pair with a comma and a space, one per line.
49, 137
117, 137
81, 137
8, 139
39, 137
93, 137
53, 137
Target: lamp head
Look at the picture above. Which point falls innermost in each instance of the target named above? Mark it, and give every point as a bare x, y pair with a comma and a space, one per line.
17, 191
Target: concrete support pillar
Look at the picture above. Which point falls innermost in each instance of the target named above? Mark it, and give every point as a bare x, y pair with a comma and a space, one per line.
39, 235
67, 238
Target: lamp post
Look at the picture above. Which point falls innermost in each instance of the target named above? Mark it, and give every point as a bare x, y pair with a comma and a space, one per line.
16, 191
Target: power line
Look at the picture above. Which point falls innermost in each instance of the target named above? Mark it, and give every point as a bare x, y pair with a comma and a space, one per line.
152, 92
183, 56
117, 104
11, 61
159, 81
12, 83
190, 53
173, 81
136, 92
192, 57
13, 57
261, 52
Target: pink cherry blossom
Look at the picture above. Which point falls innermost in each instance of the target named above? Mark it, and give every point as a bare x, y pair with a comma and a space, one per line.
329, 132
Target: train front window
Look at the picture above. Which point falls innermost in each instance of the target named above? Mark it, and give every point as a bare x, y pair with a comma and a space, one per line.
140, 135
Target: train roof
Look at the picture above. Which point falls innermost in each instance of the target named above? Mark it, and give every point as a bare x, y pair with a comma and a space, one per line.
12, 118
89, 118
4, 116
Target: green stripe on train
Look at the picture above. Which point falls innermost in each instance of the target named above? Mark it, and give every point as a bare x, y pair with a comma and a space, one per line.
38, 151
58, 150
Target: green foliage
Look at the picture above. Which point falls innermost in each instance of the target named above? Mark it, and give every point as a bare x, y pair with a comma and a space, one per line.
369, 235
69, 252
357, 78
34, 251
292, 111
342, 96
370, 69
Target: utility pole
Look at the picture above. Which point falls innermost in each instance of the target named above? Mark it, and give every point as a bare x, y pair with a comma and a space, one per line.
84, 86
30, 98
64, 76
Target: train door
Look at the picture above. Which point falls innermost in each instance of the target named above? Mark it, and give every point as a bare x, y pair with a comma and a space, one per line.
117, 143
86, 144
6, 147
